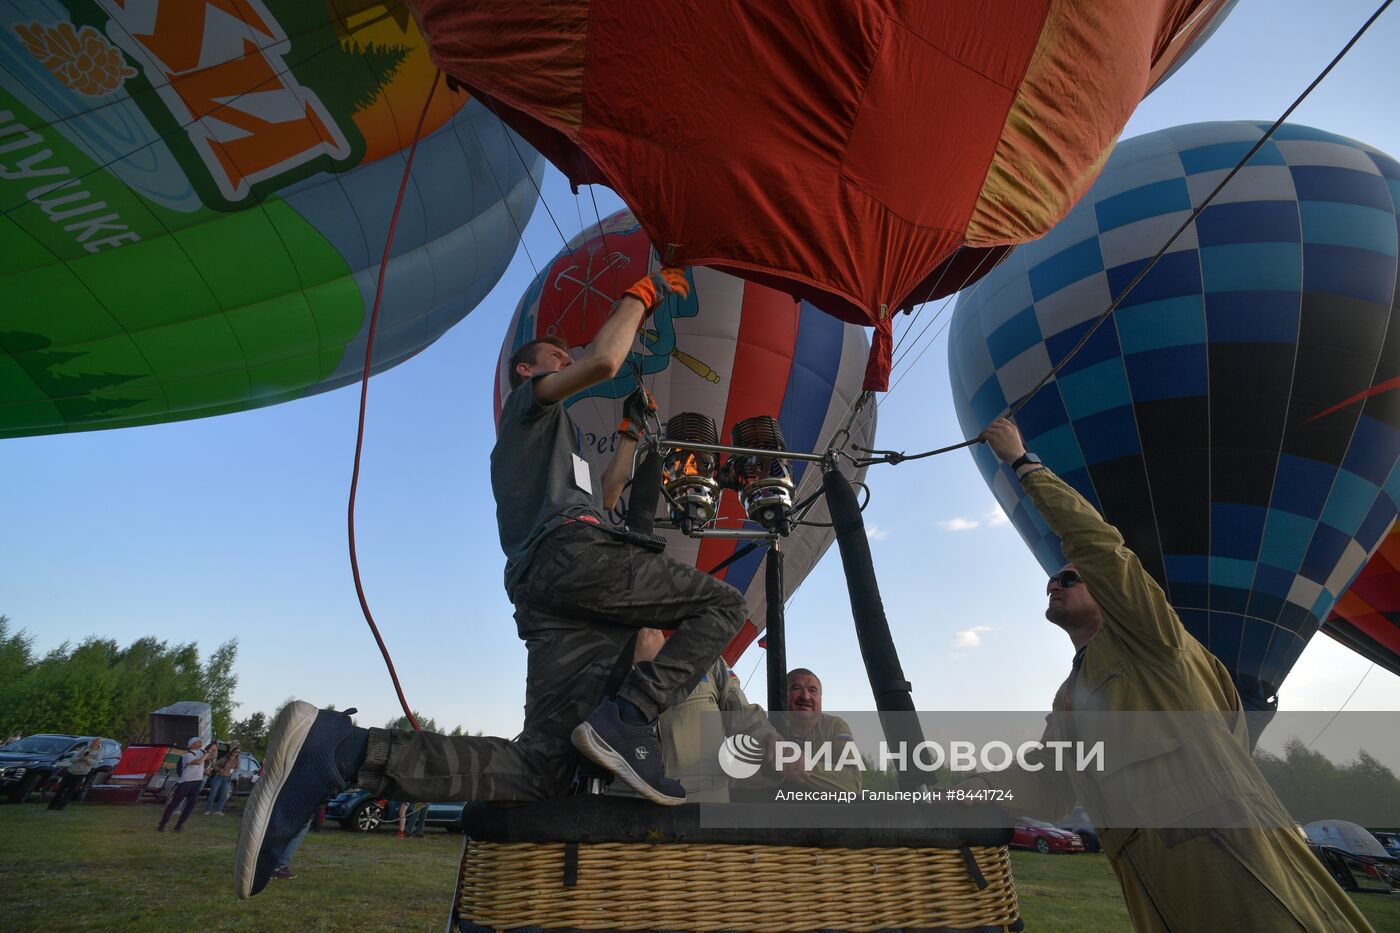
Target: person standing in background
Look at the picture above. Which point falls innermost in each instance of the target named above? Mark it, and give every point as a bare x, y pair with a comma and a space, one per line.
80, 765
221, 782
191, 778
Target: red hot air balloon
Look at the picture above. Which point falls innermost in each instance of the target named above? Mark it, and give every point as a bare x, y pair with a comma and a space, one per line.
1366, 617
841, 151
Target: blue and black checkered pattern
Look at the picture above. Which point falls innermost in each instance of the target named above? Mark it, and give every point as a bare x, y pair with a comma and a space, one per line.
1206, 418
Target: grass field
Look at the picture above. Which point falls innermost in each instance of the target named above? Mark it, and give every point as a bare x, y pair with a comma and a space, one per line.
104, 866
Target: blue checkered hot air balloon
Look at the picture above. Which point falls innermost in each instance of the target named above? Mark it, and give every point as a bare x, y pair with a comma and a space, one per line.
1236, 417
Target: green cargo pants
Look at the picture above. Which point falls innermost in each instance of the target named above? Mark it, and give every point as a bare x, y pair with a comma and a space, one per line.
577, 608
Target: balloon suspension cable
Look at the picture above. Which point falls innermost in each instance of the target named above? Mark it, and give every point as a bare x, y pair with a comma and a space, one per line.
500, 190
976, 273
897, 456
510, 138
928, 297
364, 398
520, 233
1370, 668
893, 457
842, 435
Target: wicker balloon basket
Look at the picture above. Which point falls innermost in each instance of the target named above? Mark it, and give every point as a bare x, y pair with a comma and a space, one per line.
668, 873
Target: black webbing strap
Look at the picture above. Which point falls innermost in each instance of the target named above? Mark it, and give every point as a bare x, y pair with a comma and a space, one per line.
570, 864
973, 869
741, 552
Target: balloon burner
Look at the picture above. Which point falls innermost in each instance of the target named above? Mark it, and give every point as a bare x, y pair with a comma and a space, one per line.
691, 478
765, 484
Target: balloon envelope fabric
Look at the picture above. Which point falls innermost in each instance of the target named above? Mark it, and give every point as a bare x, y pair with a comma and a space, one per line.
196, 197
1234, 417
843, 150
1367, 616
732, 350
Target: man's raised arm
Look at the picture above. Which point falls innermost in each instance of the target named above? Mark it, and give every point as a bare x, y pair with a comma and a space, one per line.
601, 360
1131, 602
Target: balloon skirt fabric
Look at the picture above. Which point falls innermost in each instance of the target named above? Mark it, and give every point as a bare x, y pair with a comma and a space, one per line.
840, 151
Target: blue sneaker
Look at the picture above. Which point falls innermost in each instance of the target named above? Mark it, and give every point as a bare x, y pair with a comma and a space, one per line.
632, 753
301, 770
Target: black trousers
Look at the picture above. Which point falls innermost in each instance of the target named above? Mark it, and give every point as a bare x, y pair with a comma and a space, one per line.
186, 792
67, 785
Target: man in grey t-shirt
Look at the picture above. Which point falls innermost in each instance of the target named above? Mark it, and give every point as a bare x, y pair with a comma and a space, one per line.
581, 593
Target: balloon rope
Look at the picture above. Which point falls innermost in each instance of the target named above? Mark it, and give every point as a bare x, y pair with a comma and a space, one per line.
893, 457
928, 296
539, 193
364, 397
1344, 703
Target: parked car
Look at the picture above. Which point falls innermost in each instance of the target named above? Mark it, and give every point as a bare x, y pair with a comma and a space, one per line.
1078, 823
449, 815
1389, 841
358, 809
1044, 837
1352, 853
31, 762
246, 775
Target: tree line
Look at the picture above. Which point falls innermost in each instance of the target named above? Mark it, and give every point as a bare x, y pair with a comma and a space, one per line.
98, 687
1312, 787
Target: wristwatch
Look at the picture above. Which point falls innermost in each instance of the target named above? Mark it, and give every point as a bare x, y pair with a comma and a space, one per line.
1024, 460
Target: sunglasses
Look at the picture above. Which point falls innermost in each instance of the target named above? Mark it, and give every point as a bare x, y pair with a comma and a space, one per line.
1066, 579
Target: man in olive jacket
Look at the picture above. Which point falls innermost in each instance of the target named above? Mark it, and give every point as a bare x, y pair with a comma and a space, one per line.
1212, 847
804, 722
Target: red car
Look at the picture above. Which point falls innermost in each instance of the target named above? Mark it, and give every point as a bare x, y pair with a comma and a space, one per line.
1045, 838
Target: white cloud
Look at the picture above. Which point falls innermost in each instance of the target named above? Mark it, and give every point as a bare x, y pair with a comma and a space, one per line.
995, 517
959, 524
970, 637
876, 533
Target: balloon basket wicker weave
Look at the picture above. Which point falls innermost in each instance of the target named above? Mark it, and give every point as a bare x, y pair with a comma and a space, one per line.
676, 875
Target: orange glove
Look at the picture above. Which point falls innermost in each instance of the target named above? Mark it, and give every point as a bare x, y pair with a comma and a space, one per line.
651, 290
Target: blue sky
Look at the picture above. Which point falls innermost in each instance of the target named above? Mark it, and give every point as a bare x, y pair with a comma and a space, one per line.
235, 526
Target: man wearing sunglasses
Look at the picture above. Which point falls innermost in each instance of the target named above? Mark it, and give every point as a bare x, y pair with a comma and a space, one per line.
1195, 834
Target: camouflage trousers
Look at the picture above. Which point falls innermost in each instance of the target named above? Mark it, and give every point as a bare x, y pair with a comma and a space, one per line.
577, 608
